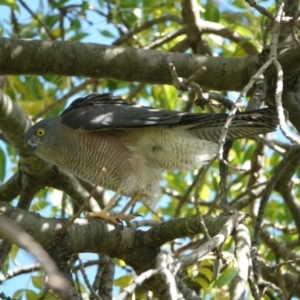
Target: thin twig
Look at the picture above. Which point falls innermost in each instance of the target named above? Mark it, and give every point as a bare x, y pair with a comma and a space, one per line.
196, 182
146, 25
137, 282
182, 84
221, 99
294, 288
261, 9
195, 76
234, 109
273, 287
223, 169
41, 22
64, 98
165, 39
86, 280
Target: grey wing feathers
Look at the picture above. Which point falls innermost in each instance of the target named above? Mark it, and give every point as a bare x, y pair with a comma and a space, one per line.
96, 112
105, 111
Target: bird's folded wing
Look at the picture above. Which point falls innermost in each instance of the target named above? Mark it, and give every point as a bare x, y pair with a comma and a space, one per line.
105, 111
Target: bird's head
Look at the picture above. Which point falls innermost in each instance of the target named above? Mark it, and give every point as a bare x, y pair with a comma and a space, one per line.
42, 138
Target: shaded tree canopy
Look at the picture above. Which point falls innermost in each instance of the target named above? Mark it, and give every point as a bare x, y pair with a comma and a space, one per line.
228, 230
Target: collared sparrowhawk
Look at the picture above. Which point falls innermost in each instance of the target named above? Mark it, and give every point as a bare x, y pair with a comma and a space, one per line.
135, 143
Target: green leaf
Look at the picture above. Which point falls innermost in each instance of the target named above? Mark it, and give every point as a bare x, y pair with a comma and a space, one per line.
202, 273
31, 295
5, 267
40, 204
37, 281
78, 36
58, 4
18, 295
14, 253
52, 297
227, 275
211, 11
124, 280
11, 3
106, 33
51, 20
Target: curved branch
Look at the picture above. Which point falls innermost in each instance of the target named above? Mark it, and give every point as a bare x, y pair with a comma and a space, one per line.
214, 242
13, 124
294, 152
11, 188
10, 231
20, 270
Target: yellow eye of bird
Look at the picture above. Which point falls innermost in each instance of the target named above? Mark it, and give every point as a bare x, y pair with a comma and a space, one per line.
40, 132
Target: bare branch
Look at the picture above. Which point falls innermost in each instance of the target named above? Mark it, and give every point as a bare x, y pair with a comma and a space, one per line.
261, 9
214, 242
19, 270
137, 282
242, 251
56, 281
146, 25
294, 152
86, 280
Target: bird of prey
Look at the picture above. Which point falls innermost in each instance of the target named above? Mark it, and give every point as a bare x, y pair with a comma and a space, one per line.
135, 143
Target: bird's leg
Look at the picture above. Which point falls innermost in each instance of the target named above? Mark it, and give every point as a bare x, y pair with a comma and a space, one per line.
104, 213
115, 219
121, 215
112, 201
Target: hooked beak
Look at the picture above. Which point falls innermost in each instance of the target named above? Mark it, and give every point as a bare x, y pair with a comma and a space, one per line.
32, 143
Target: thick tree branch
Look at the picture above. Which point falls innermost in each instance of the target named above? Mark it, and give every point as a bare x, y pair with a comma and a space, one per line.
130, 64
138, 249
116, 242
43, 230
127, 64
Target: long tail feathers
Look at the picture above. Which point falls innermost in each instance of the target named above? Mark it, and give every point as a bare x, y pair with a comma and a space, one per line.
244, 124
